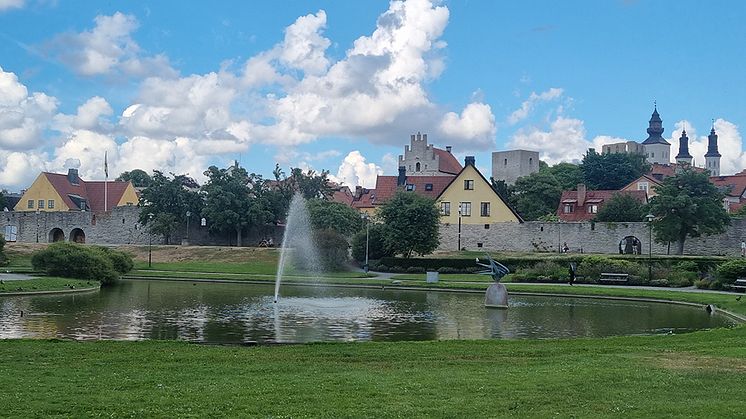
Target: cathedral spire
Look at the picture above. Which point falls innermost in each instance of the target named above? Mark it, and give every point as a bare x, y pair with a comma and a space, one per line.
684, 157
655, 129
712, 158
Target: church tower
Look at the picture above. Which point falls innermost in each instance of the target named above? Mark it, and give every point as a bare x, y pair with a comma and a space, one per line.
657, 149
684, 158
712, 158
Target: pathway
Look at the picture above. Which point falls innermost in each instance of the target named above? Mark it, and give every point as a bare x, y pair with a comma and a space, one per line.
14, 277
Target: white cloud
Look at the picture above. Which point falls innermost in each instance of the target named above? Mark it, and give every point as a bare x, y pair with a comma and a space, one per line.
90, 116
11, 4
20, 168
304, 47
730, 144
23, 117
355, 171
476, 122
109, 49
528, 105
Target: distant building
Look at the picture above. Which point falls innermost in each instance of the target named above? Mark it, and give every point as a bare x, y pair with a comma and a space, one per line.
734, 188
712, 158
512, 164
657, 149
422, 159
684, 158
628, 147
57, 192
644, 183
584, 205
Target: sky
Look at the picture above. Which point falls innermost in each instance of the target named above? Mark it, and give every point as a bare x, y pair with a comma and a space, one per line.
340, 85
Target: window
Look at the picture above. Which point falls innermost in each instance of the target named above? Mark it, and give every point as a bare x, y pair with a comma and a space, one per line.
505, 162
469, 185
592, 209
479, 245
465, 209
428, 186
568, 208
41, 203
486, 226
417, 167
11, 233
50, 204
445, 208
484, 209
530, 161
642, 186
30, 203
410, 187
652, 154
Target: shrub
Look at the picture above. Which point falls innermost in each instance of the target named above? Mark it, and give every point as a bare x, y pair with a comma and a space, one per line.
121, 261
3, 258
729, 271
682, 278
702, 284
71, 260
333, 249
376, 243
593, 266
415, 270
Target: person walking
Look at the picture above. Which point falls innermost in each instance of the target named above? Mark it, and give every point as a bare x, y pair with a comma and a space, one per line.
743, 248
573, 267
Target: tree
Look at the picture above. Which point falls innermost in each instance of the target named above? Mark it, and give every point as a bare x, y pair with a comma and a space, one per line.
377, 234
567, 174
687, 205
620, 208
537, 195
227, 202
612, 171
2, 200
412, 222
138, 177
3, 258
166, 201
330, 215
310, 184
503, 189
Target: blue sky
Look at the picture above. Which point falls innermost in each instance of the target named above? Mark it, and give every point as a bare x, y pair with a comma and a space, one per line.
340, 85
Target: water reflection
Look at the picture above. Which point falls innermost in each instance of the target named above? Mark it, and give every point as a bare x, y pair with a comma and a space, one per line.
234, 313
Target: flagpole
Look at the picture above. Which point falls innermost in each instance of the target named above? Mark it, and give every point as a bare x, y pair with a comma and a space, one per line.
106, 182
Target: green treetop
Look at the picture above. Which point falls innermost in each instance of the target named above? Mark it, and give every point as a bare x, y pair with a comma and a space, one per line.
620, 208
612, 171
412, 223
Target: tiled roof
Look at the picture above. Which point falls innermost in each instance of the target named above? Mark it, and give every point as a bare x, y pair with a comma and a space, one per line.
447, 162
342, 194
731, 185
386, 186
91, 191
643, 178
593, 197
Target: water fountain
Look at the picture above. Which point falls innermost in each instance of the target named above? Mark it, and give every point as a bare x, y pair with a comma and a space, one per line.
298, 247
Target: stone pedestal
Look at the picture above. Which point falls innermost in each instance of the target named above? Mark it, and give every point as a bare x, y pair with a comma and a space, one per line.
496, 296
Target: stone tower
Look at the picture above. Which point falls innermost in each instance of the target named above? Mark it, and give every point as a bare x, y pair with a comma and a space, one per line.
512, 164
712, 158
657, 149
684, 158
423, 159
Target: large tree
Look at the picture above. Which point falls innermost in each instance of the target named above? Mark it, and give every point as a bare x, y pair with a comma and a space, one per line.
536, 195
138, 177
227, 200
567, 174
612, 171
621, 208
687, 205
412, 223
330, 215
166, 201
309, 183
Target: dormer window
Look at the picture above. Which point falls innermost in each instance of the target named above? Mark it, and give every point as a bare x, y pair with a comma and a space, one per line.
410, 187
428, 186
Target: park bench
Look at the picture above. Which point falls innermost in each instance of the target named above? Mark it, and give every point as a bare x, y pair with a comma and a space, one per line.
739, 285
613, 278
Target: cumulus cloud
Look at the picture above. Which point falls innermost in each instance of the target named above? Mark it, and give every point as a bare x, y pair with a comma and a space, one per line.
20, 168
108, 48
355, 171
90, 116
23, 116
730, 144
476, 122
11, 4
529, 104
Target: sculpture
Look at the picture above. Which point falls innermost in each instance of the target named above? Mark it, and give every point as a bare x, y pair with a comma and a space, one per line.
496, 295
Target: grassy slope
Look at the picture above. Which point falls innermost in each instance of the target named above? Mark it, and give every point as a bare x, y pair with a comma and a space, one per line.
692, 375
46, 284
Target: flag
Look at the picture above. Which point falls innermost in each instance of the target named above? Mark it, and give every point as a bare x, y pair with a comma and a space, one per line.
106, 165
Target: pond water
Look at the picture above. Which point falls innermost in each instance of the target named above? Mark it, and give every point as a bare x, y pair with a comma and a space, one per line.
237, 313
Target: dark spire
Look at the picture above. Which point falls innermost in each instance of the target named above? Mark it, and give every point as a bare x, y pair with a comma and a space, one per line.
712, 144
655, 129
683, 146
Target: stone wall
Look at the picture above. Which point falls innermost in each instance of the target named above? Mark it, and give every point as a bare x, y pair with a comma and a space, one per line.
587, 237
118, 226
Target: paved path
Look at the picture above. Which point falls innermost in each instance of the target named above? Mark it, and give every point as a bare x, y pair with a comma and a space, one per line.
14, 277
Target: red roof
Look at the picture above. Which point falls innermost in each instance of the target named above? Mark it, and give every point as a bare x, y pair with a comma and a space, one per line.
342, 194
92, 191
447, 162
386, 186
731, 185
598, 198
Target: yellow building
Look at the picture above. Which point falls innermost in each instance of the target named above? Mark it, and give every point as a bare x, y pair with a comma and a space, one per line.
473, 194
58, 192
643, 183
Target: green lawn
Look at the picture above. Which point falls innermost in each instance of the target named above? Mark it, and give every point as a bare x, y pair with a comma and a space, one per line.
46, 284
692, 375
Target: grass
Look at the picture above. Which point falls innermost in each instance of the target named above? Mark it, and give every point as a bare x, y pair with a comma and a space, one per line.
46, 284
693, 375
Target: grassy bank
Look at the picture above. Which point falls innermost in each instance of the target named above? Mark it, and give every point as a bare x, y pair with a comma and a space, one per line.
693, 375
45, 284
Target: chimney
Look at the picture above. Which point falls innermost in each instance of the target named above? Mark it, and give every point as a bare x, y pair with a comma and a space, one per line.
449, 148
358, 191
402, 179
581, 194
469, 160
72, 176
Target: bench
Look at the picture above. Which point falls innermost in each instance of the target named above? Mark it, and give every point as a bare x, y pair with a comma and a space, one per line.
613, 278
740, 284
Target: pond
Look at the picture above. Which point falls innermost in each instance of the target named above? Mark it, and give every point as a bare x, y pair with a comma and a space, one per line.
240, 313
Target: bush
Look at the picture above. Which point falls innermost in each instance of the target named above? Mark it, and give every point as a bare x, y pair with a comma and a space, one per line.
702, 284
3, 258
376, 243
729, 271
592, 267
332, 249
415, 270
71, 260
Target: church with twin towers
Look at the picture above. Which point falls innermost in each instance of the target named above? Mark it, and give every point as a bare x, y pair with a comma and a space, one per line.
657, 150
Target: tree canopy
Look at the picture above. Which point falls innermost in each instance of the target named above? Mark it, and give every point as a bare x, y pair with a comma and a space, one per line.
165, 203
138, 177
621, 208
687, 205
412, 223
536, 195
612, 171
329, 215
567, 174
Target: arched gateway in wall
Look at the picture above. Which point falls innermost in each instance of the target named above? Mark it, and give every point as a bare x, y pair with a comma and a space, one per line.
630, 245
77, 236
56, 235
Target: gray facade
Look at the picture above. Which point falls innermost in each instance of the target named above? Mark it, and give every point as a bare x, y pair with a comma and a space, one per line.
628, 147
420, 158
512, 164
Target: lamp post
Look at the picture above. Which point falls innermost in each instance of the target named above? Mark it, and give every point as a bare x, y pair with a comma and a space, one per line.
150, 240
188, 214
367, 235
459, 225
649, 218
